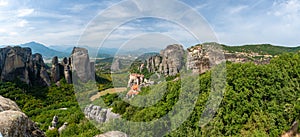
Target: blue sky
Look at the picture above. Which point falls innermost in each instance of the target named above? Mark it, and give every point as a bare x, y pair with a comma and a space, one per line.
61, 22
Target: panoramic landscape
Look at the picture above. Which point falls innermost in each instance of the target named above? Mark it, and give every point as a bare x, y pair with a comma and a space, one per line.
100, 68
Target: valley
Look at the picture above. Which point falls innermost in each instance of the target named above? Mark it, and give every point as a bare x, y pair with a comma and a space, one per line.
260, 97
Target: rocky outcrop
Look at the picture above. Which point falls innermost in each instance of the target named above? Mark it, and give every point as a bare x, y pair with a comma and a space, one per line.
14, 123
135, 78
112, 134
81, 64
169, 62
67, 68
40, 71
197, 59
18, 63
62, 69
78, 62
55, 70
115, 66
100, 115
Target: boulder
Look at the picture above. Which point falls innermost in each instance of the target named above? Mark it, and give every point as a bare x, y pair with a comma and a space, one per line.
14, 123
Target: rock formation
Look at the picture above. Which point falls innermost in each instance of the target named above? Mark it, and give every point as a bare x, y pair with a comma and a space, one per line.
18, 63
81, 64
197, 59
99, 114
40, 71
112, 134
169, 62
63, 127
115, 66
14, 123
55, 70
78, 62
54, 121
135, 78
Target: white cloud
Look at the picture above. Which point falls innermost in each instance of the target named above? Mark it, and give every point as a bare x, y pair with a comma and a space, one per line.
3, 3
22, 23
237, 9
24, 12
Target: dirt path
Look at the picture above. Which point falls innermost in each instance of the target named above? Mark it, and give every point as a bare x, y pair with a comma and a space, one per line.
110, 90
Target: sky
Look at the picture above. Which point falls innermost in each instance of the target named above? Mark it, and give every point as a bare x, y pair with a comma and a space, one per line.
114, 23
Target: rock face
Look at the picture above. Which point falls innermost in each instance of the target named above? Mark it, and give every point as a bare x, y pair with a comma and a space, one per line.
99, 114
40, 72
115, 66
78, 62
55, 70
169, 62
18, 63
14, 123
135, 78
81, 64
197, 59
63, 69
112, 134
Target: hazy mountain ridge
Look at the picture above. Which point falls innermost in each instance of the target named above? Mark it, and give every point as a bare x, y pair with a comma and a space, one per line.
40, 48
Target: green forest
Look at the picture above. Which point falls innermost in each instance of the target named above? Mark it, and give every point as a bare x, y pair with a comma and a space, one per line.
259, 100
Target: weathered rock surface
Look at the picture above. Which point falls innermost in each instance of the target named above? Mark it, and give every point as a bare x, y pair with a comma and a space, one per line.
169, 62
55, 70
81, 64
18, 63
115, 66
197, 59
78, 62
100, 115
40, 71
14, 123
112, 134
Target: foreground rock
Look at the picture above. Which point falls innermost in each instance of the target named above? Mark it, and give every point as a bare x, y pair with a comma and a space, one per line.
14, 123
112, 134
18, 63
100, 115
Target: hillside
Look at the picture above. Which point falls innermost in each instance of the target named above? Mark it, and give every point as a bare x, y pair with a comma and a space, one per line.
262, 49
259, 100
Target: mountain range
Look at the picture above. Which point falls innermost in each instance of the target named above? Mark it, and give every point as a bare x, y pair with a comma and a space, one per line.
65, 50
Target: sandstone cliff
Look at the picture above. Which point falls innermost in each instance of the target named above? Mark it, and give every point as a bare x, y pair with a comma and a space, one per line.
14, 123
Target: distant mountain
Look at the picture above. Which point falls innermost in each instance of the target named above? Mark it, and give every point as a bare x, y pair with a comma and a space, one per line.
104, 52
42, 49
93, 51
